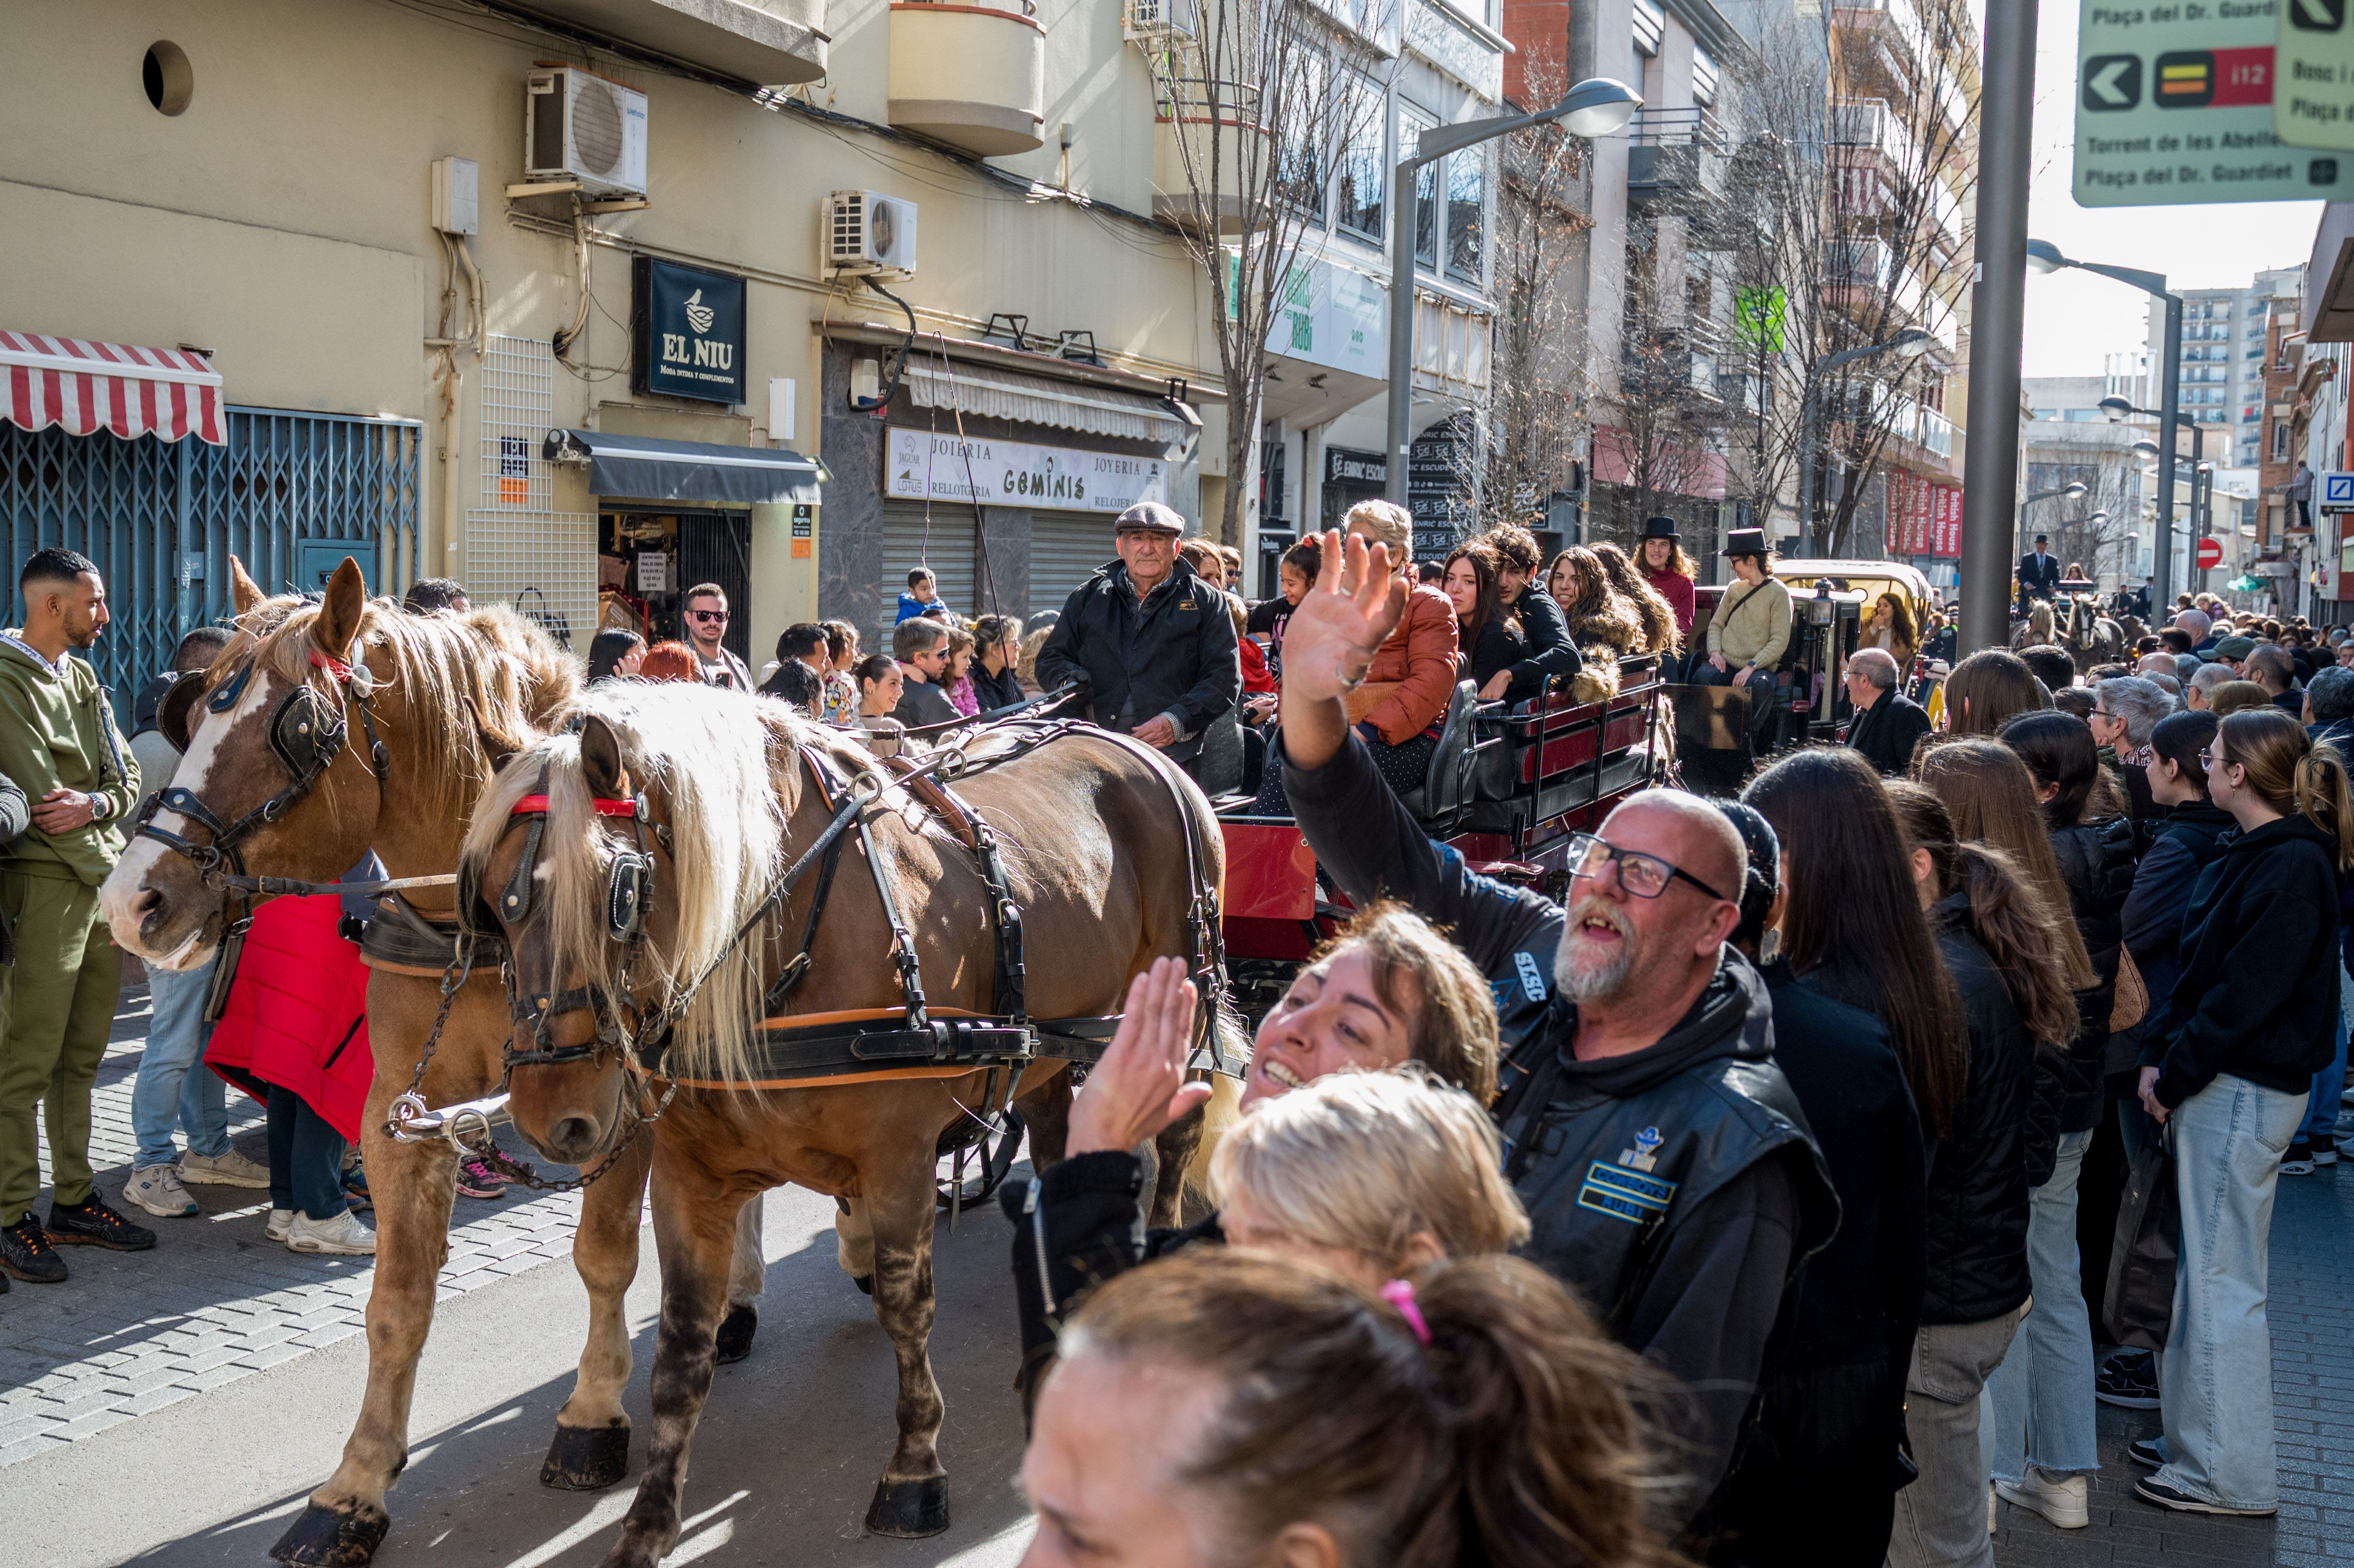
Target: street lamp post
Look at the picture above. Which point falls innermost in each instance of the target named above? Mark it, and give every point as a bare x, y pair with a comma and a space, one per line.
2170, 424
2045, 256
1595, 107
1910, 344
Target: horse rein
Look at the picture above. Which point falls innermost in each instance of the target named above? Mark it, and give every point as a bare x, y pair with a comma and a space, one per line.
307, 740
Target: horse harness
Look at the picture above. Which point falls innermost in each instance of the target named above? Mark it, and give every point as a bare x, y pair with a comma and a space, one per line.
305, 734
913, 1037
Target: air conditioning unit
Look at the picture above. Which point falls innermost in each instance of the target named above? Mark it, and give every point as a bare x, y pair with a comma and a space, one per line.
867, 233
577, 125
1155, 21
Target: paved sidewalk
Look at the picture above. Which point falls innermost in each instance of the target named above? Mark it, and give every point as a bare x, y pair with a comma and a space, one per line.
2312, 1316
215, 1301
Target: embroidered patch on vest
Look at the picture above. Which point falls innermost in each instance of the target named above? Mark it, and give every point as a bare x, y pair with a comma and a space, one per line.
1624, 1194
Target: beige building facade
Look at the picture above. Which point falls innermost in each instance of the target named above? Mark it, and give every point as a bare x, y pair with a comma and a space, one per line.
257, 181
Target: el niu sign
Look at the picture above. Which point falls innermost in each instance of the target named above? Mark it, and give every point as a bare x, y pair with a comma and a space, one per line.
689, 331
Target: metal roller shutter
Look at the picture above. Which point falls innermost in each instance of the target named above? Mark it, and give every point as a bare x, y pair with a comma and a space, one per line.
949, 554
1066, 549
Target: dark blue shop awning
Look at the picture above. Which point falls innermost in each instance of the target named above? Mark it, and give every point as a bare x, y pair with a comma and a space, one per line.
648, 469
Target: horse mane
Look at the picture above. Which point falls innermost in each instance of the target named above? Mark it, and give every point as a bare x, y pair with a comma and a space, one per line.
488, 678
717, 757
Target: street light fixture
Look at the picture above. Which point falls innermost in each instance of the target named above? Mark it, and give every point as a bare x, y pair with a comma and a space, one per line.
1597, 106
2045, 258
1911, 342
2162, 546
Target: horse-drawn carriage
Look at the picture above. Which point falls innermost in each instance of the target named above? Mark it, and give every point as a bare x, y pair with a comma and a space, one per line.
1507, 785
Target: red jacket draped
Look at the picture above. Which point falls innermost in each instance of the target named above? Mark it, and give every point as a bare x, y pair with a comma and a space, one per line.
297, 1011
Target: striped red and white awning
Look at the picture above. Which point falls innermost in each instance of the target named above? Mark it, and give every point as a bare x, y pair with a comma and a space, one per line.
91, 387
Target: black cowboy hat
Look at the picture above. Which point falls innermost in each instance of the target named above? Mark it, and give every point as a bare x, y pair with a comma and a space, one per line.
1660, 528
1747, 542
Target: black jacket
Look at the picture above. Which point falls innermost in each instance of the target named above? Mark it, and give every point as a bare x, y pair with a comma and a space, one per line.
1500, 646
1002, 690
2151, 924
2039, 579
1978, 1175
2258, 994
1883, 733
1677, 1188
2096, 862
1550, 651
1832, 1410
1175, 653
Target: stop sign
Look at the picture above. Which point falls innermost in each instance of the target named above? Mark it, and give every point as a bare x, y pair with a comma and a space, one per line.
2211, 553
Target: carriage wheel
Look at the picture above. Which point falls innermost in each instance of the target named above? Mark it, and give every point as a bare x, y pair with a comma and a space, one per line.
970, 1175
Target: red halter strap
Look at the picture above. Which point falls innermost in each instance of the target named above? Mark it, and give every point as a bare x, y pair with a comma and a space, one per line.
335, 667
536, 805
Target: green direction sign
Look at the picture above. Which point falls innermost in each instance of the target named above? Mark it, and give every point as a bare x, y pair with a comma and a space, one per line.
1757, 317
2174, 104
2315, 105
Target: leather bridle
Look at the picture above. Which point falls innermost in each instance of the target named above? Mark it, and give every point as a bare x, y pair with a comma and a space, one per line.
306, 736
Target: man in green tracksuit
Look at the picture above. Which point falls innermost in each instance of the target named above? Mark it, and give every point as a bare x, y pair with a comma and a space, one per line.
57, 740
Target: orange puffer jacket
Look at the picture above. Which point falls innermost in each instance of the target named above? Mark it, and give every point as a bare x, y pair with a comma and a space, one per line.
1419, 658
297, 1011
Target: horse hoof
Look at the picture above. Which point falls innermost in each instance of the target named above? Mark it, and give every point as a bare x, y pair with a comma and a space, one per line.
734, 1340
344, 1537
586, 1458
865, 1283
909, 1510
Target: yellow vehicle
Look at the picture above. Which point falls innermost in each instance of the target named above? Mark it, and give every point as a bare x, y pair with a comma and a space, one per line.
1871, 578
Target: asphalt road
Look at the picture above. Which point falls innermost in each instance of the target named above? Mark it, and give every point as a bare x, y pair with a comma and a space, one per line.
783, 1465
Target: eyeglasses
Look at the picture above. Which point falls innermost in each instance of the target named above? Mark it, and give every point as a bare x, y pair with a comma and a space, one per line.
708, 615
2212, 757
1644, 876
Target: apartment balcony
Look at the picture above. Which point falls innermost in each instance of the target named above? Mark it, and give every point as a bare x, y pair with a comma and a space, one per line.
1683, 359
974, 77
1866, 131
769, 43
1870, 281
1895, 23
1198, 127
1676, 152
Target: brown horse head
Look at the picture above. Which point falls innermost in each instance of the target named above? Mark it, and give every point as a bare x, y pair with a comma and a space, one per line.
683, 776
277, 752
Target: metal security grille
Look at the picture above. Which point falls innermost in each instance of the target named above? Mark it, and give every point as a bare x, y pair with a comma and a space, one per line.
1066, 549
949, 551
289, 496
520, 550
716, 547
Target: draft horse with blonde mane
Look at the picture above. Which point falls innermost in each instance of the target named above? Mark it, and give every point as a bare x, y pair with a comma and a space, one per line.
326, 728
696, 860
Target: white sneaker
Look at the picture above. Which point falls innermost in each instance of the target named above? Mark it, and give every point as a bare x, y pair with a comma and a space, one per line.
157, 1190
275, 1227
228, 1168
343, 1234
2063, 1500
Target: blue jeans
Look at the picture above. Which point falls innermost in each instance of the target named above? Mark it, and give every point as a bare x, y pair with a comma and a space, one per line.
306, 1158
174, 1086
2322, 1109
2040, 1398
2215, 1377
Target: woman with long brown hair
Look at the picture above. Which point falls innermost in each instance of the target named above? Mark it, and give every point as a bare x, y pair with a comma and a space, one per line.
1484, 631
1603, 623
2231, 1063
1226, 1407
1852, 926
1988, 690
1994, 935
1891, 629
1661, 633
1669, 570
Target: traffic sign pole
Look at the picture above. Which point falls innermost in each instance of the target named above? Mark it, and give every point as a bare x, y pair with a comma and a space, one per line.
1998, 321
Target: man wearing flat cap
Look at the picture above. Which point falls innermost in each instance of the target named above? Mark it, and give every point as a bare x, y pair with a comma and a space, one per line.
1152, 646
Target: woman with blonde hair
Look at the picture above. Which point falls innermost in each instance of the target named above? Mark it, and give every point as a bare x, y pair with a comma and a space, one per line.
2231, 1063
1225, 1408
1372, 1174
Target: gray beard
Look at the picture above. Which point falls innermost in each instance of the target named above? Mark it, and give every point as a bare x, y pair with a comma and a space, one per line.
1595, 983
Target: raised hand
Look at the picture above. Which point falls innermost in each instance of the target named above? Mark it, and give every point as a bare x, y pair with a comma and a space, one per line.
1139, 1086
1356, 602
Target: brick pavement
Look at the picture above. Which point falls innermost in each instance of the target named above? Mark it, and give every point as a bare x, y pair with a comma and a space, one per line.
217, 1301
2312, 1317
